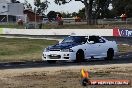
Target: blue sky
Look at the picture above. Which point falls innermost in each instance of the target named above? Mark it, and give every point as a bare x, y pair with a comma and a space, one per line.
70, 7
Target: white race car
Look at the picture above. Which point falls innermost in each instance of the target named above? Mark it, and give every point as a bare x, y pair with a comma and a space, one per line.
80, 48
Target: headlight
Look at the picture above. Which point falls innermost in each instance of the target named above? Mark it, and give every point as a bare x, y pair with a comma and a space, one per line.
66, 50
46, 50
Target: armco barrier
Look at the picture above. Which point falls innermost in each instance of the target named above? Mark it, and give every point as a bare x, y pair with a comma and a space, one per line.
122, 32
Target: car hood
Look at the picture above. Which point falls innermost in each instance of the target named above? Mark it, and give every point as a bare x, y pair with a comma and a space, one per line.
63, 46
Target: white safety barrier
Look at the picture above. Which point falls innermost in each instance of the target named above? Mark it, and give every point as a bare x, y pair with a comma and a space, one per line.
101, 32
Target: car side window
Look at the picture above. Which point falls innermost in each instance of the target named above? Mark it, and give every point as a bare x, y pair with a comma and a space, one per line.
96, 39
93, 38
101, 40
80, 39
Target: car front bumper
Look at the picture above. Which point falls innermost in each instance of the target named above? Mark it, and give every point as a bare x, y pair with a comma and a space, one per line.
58, 55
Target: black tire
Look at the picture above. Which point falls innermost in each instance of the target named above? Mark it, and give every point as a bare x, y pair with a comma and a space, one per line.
51, 61
110, 54
80, 56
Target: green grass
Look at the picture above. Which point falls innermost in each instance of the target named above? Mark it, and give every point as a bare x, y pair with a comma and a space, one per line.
124, 48
85, 26
71, 26
22, 49
11, 26
55, 26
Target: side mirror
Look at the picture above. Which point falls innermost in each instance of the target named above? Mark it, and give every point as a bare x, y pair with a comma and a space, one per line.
90, 42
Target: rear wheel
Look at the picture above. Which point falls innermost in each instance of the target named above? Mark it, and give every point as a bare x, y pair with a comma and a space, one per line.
51, 61
110, 54
80, 56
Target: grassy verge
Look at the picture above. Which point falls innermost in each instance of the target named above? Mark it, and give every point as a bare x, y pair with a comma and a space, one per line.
22, 49
71, 26
12, 50
11, 26
85, 26
55, 26
124, 48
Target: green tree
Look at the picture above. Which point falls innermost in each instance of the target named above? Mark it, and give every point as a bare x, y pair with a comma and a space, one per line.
41, 6
66, 15
27, 5
93, 8
52, 15
74, 14
81, 13
122, 6
107, 14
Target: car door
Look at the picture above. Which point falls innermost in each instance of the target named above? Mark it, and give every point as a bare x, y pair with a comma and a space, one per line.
102, 47
93, 49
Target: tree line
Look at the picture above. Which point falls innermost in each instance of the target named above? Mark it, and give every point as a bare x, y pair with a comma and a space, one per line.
93, 9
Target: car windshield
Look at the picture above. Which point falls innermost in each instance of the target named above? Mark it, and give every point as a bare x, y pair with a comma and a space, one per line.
75, 39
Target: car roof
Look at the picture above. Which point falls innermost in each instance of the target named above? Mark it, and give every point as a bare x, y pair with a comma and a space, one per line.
83, 35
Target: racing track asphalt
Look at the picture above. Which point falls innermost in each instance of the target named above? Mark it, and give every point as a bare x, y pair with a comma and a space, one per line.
120, 59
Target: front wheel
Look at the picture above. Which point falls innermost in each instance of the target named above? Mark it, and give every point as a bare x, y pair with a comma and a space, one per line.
80, 56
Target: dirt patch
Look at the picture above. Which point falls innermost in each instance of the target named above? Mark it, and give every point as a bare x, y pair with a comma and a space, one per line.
62, 78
